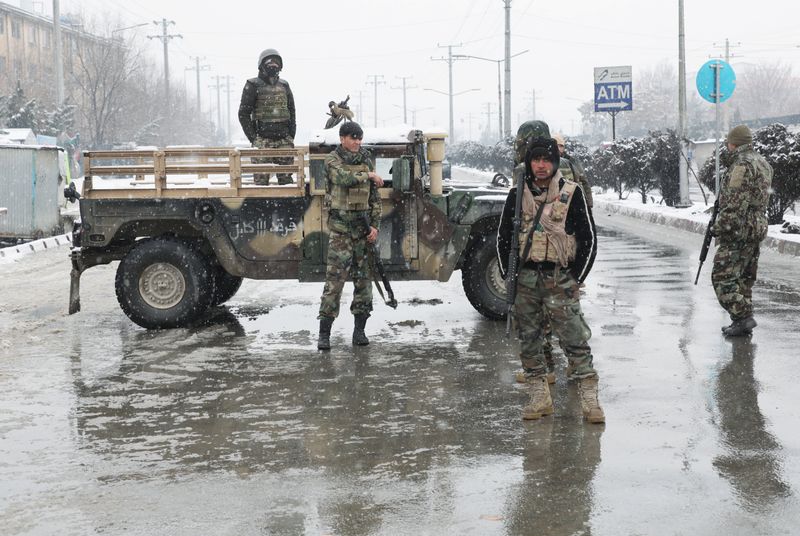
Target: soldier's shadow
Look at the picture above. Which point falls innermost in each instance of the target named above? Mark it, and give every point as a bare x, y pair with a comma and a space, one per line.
751, 462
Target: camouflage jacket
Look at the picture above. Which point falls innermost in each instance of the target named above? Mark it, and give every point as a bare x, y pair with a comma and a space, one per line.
743, 198
339, 177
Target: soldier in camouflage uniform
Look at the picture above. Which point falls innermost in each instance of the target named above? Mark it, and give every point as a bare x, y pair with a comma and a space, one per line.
740, 227
571, 169
353, 220
555, 257
267, 114
526, 132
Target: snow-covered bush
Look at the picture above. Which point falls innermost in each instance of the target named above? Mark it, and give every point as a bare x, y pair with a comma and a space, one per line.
781, 149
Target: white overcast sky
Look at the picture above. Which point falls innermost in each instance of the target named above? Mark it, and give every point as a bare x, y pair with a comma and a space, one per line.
333, 48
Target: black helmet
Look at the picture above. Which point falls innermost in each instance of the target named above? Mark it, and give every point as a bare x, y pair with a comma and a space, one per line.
541, 146
266, 53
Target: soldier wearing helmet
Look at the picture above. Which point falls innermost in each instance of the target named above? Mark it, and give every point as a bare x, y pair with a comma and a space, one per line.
556, 254
572, 169
267, 113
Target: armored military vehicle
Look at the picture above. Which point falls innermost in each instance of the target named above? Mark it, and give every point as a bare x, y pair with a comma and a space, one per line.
188, 224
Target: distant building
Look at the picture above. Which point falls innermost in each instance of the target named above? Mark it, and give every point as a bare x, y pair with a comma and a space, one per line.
27, 48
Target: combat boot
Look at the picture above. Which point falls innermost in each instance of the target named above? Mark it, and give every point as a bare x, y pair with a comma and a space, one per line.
741, 327
359, 337
324, 340
541, 403
519, 376
590, 405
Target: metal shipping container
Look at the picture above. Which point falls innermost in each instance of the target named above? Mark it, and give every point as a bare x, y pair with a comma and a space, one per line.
30, 190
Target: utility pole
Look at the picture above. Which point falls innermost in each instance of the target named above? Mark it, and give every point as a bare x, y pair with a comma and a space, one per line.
358, 117
683, 173
165, 40
414, 113
228, 91
59, 61
507, 107
469, 125
198, 68
404, 88
219, 108
489, 114
375, 83
726, 120
450, 59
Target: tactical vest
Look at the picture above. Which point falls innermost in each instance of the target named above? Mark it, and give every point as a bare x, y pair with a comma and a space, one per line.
354, 197
550, 234
272, 102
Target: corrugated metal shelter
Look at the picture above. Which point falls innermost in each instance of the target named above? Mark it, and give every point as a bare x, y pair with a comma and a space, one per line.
31, 190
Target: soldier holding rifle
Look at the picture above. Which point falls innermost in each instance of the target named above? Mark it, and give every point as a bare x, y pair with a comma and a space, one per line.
555, 254
353, 223
740, 226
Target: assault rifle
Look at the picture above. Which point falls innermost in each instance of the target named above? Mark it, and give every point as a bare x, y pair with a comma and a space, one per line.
513, 255
707, 239
378, 271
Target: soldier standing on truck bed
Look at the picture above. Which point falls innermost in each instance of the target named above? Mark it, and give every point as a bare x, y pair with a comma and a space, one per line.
267, 114
354, 217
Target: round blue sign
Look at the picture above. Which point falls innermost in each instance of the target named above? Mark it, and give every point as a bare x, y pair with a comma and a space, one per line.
706, 80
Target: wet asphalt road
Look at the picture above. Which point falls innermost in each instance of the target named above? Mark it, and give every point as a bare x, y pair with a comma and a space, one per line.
240, 427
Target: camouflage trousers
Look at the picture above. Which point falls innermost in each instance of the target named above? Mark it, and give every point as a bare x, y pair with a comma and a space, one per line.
269, 143
347, 257
551, 300
733, 276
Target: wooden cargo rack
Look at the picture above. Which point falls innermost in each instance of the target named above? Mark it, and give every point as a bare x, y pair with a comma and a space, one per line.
226, 163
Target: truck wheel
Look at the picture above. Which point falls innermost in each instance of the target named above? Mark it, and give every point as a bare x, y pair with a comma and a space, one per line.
164, 283
483, 284
225, 286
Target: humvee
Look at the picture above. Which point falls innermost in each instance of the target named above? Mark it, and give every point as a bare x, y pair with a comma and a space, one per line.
188, 224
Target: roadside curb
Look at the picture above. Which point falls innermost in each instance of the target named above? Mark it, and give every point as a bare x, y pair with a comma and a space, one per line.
43, 244
785, 247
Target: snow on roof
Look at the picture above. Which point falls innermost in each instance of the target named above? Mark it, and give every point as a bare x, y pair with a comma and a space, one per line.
391, 134
17, 135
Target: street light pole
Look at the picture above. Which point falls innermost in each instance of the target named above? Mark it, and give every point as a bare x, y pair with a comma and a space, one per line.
58, 59
450, 59
451, 95
499, 87
508, 68
683, 174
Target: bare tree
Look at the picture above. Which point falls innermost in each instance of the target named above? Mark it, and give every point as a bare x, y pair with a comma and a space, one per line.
766, 90
103, 70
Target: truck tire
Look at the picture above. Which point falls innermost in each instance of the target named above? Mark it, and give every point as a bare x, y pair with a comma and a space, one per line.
483, 284
225, 286
164, 283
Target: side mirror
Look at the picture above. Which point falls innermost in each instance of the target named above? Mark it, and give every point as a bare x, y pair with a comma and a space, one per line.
401, 173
